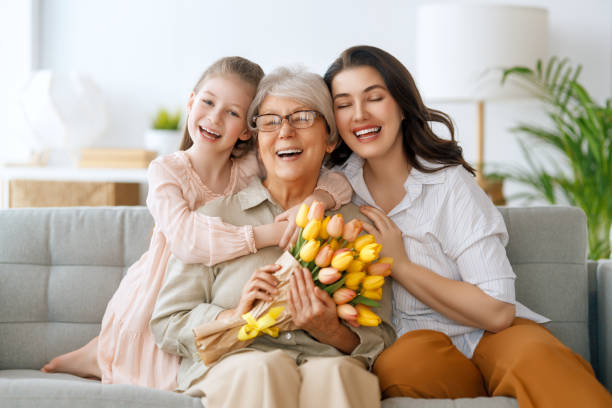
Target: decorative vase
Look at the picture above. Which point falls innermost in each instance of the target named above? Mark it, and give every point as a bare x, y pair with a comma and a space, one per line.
162, 141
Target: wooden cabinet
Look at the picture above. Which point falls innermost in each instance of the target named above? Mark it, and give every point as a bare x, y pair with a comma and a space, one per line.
64, 187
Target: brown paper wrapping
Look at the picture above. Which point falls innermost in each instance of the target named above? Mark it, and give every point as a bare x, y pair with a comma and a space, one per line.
219, 337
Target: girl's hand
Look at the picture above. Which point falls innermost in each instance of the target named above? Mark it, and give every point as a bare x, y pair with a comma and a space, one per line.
261, 286
312, 309
290, 235
386, 233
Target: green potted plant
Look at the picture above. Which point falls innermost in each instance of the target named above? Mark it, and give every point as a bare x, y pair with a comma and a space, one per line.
580, 133
164, 136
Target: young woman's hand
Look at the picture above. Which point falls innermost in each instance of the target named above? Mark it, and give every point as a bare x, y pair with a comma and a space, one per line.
260, 286
386, 232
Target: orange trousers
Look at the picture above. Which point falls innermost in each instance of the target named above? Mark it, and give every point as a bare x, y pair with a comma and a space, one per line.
524, 361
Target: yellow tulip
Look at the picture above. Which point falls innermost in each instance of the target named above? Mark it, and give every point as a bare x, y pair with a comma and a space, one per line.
341, 259
366, 317
355, 266
374, 294
302, 216
387, 260
369, 252
353, 279
311, 231
364, 240
334, 244
316, 211
373, 282
309, 250
323, 234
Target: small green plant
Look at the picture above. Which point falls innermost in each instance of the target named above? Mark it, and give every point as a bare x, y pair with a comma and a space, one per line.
165, 120
580, 132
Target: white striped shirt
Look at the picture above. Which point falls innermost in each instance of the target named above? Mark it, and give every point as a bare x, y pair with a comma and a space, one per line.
451, 227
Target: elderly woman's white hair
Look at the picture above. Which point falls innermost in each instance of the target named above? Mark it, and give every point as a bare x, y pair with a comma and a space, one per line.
298, 84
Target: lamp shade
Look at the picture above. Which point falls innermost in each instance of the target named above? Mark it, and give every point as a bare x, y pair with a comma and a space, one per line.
460, 48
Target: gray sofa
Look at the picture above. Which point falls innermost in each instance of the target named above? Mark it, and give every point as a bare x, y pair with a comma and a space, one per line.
60, 266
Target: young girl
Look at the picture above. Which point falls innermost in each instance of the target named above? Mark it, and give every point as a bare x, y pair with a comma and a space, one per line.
214, 160
462, 332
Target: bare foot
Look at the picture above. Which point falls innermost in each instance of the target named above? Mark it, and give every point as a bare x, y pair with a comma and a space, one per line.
82, 362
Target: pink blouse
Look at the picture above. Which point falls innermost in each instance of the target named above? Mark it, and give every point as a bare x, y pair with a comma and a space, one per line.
126, 351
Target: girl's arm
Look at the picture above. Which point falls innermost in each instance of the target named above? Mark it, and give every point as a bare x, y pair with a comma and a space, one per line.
194, 237
460, 301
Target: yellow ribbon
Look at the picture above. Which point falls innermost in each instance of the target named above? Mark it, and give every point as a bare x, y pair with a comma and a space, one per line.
254, 328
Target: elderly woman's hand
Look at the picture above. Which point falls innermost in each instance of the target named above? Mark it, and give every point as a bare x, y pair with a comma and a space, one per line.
260, 286
314, 311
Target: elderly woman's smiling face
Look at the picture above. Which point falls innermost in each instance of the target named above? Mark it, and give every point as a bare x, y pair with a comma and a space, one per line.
290, 154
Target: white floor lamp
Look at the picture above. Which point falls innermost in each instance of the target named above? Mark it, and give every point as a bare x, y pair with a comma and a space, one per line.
460, 48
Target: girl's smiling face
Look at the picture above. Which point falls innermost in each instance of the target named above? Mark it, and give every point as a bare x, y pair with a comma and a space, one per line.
217, 113
367, 116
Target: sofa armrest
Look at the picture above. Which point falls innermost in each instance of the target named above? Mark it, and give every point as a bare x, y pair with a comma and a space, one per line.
604, 321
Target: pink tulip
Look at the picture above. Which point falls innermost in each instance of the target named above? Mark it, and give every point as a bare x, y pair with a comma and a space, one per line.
335, 226
352, 230
327, 276
324, 256
344, 295
380, 269
316, 211
347, 312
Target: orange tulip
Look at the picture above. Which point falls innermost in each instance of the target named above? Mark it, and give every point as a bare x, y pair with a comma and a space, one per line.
335, 226
327, 276
352, 230
302, 216
344, 295
342, 258
346, 312
309, 250
380, 269
316, 211
364, 240
324, 256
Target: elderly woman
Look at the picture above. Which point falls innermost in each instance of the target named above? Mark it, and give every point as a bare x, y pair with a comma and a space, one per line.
325, 362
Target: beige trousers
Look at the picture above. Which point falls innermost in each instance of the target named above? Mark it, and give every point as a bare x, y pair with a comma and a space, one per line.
273, 380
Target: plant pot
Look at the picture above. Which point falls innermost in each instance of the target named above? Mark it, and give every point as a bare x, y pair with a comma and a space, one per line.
162, 141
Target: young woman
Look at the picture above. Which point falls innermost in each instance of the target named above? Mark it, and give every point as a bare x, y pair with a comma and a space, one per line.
462, 332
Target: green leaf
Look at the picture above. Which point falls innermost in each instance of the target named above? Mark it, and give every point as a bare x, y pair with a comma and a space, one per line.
335, 286
364, 301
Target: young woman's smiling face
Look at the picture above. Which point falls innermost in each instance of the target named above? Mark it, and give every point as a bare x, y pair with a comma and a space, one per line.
367, 116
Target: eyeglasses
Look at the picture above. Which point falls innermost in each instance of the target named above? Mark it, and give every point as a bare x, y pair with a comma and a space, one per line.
301, 119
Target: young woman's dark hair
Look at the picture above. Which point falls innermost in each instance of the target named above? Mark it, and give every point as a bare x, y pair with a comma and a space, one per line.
418, 138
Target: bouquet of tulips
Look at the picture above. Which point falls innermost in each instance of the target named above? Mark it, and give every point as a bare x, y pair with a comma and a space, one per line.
342, 263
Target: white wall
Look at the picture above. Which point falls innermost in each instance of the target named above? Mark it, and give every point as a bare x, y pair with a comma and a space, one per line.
147, 53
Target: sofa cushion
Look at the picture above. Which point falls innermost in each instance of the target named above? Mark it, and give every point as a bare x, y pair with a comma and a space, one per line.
33, 389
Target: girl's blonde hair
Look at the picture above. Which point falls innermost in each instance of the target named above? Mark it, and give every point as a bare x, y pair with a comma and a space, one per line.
248, 71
